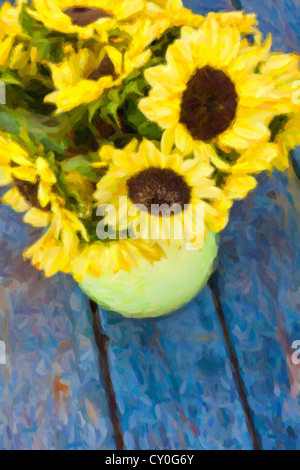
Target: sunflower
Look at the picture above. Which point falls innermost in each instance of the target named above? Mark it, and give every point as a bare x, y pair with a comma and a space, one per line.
87, 17
83, 77
245, 23
174, 14
209, 90
159, 196
9, 20
287, 139
80, 191
113, 256
239, 174
180, 16
55, 250
284, 125
82, 17
15, 55
284, 71
168, 12
31, 181
19, 57
6, 47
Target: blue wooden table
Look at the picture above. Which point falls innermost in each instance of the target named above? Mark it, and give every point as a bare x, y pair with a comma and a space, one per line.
217, 374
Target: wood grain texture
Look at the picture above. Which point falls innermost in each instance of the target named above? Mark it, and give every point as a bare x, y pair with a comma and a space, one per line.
173, 380
258, 281
279, 17
258, 277
203, 6
51, 392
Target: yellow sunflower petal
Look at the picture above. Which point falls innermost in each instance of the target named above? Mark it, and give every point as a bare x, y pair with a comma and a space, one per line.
15, 200
256, 160
36, 217
5, 176
238, 186
169, 176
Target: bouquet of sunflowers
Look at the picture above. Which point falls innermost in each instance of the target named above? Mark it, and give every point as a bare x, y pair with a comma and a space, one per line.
129, 128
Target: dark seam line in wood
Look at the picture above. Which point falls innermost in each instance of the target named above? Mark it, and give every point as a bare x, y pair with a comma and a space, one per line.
102, 341
256, 440
237, 4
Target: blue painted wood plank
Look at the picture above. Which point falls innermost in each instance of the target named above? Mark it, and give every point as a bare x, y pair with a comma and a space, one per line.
173, 381
258, 280
51, 392
258, 277
203, 6
279, 17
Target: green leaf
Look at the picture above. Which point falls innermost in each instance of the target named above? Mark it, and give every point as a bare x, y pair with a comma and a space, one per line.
13, 120
82, 164
138, 122
10, 78
277, 124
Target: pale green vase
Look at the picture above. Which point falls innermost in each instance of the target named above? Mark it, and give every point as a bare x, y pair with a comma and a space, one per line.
158, 289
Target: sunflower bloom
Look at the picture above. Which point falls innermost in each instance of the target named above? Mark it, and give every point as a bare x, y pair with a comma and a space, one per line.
284, 71
55, 250
240, 178
287, 139
84, 76
163, 197
209, 90
113, 256
9, 20
15, 55
245, 23
82, 17
284, 124
19, 57
31, 182
87, 18
6, 48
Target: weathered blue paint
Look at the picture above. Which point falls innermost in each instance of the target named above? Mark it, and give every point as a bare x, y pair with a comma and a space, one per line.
51, 391
173, 381
280, 18
258, 276
258, 280
203, 7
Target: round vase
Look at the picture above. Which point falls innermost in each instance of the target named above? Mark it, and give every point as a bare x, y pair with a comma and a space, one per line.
155, 289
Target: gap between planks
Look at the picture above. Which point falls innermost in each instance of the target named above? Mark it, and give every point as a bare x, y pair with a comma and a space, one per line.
255, 437
237, 5
102, 342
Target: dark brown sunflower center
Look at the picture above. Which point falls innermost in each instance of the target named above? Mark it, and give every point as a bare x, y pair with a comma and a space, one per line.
156, 187
208, 104
83, 16
30, 192
105, 68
